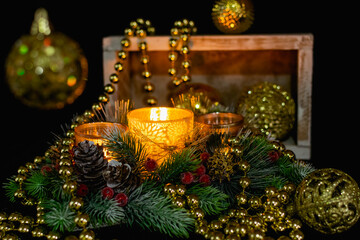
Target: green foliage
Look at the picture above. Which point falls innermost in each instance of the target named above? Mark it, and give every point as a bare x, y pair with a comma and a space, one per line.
58, 215
212, 200
294, 171
126, 148
186, 160
103, 211
150, 209
37, 185
10, 188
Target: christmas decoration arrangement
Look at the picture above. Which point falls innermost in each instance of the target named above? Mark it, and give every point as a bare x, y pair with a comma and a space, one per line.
210, 183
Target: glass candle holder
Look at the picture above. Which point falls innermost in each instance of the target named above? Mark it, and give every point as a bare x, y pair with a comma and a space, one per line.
161, 129
94, 132
230, 123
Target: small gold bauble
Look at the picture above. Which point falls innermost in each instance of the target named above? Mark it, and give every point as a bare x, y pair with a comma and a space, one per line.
82, 220
328, 200
87, 234
53, 235
76, 203
233, 16
38, 232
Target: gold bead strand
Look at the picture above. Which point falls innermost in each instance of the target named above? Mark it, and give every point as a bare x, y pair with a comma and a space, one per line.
141, 28
181, 32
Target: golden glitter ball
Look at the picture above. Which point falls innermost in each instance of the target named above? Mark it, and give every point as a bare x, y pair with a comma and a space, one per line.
328, 200
269, 108
46, 69
233, 16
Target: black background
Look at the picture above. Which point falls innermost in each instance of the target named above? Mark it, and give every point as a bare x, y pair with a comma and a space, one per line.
27, 132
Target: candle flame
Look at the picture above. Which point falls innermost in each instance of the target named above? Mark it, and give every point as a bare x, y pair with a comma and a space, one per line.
157, 114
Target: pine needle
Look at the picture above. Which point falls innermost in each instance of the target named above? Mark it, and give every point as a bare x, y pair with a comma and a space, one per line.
103, 211
212, 200
186, 160
58, 215
10, 188
151, 210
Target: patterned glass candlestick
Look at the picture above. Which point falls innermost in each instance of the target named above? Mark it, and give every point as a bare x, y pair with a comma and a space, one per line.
161, 129
94, 132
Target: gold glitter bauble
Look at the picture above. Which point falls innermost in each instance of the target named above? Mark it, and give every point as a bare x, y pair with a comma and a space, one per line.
328, 200
268, 108
233, 16
46, 69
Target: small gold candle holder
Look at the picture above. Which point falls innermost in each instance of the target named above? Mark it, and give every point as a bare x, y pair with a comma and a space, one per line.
94, 132
229, 123
161, 129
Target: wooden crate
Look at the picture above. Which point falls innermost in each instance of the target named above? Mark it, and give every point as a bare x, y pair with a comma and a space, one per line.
230, 64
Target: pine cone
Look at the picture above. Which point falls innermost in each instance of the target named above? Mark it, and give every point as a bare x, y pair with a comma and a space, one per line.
119, 176
90, 163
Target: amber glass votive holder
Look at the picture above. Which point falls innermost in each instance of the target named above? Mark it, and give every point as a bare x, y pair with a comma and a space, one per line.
161, 129
95, 132
216, 122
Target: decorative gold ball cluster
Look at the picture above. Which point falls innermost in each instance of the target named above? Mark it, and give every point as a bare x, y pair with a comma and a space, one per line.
180, 33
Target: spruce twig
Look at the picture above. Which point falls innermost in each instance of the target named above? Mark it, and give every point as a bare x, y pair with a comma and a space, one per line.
186, 160
103, 211
58, 215
150, 209
212, 200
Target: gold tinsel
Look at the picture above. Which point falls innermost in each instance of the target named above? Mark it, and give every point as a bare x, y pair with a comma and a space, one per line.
233, 16
267, 107
328, 200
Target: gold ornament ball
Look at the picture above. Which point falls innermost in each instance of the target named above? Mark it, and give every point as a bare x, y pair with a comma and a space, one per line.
233, 16
87, 234
328, 200
46, 69
268, 108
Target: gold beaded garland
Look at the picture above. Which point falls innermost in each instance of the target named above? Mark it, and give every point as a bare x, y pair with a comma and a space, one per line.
180, 33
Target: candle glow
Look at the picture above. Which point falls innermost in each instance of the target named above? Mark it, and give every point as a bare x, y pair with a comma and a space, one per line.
161, 129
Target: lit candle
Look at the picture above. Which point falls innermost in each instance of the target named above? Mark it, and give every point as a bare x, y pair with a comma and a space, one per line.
161, 129
94, 132
216, 122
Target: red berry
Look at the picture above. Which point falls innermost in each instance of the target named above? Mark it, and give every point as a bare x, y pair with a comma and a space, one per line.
122, 199
45, 169
274, 156
150, 164
204, 157
82, 190
205, 180
201, 170
107, 192
187, 177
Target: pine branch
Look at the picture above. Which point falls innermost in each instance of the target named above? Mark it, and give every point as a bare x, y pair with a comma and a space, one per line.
150, 209
294, 172
212, 200
10, 188
58, 215
184, 161
126, 148
37, 185
103, 211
